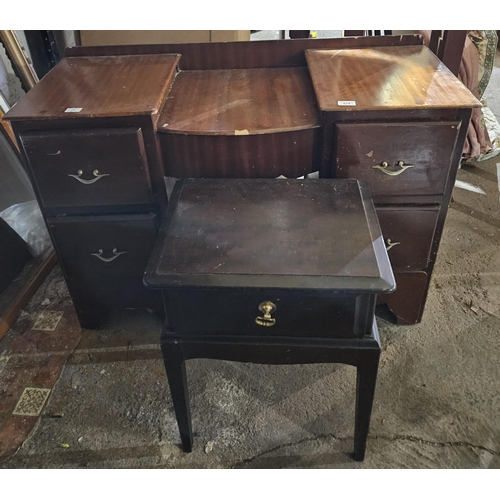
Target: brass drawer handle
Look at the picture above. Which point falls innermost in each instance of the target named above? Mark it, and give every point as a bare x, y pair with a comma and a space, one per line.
96, 173
390, 244
383, 166
116, 254
267, 308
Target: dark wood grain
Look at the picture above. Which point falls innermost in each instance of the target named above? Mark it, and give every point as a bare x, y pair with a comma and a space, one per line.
117, 154
291, 154
240, 102
272, 234
385, 78
96, 285
297, 313
409, 301
409, 232
101, 86
311, 247
239, 55
428, 146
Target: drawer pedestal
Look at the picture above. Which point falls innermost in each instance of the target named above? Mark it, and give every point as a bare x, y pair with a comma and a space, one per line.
87, 135
396, 118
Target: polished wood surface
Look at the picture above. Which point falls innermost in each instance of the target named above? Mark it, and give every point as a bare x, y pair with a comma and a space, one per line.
220, 243
408, 234
85, 168
296, 315
101, 87
239, 55
409, 301
291, 154
314, 233
103, 258
240, 102
385, 78
428, 147
299, 151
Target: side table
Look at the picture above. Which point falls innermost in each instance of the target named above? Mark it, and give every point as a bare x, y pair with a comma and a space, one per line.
271, 271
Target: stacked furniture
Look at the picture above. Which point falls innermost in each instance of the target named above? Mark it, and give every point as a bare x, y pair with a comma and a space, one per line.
240, 109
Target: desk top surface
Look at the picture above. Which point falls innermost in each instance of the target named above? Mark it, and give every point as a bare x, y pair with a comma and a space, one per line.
92, 87
267, 233
240, 102
381, 78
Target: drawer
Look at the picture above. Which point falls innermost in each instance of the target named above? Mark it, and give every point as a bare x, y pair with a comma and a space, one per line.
408, 234
104, 258
199, 311
373, 151
97, 167
407, 302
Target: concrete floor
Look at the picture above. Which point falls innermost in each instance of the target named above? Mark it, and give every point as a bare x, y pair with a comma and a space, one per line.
436, 405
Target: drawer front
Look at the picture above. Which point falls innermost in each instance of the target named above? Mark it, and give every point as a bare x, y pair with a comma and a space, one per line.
373, 151
98, 167
408, 234
198, 311
407, 302
104, 258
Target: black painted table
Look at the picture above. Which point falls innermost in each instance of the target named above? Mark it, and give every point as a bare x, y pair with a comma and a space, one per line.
271, 271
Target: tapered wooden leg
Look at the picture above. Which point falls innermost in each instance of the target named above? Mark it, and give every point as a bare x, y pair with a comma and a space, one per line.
365, 391
176, 374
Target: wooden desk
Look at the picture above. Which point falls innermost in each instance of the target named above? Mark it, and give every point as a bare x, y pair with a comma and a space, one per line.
271, 271
260, 122
242, 109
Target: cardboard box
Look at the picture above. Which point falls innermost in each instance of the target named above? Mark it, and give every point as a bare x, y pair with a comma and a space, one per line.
133, 37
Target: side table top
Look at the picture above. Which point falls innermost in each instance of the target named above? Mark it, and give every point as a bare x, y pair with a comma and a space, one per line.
271, 233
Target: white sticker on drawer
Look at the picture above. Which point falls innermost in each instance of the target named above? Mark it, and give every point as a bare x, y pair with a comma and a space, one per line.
72, 110
346, 103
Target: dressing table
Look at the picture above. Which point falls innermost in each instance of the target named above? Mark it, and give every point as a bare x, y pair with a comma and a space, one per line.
99, 133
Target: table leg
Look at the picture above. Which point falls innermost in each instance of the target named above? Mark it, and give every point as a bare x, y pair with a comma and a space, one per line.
176, 373
365, 391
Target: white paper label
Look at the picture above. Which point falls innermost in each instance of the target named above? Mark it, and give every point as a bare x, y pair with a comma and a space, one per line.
72, 110
346, 103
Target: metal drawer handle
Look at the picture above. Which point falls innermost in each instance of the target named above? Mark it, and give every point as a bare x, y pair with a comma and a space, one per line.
116, 254
267, 308
79, 173
390, 244
383, 166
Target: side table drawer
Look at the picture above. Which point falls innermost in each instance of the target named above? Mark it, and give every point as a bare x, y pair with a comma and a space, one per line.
295, 314
408, 234
373, 151
104, 258
92, 167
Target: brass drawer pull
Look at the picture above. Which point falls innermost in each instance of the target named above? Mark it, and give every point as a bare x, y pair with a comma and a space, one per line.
267, 308
383, 166
96, 173
390, 244
116, 254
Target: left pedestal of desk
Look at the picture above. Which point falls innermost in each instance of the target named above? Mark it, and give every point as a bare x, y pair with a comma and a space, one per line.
87, 135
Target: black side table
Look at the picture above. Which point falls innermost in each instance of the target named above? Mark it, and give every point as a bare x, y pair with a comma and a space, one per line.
271, 271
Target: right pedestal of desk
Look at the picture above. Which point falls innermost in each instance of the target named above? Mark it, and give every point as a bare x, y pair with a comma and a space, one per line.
397, 118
